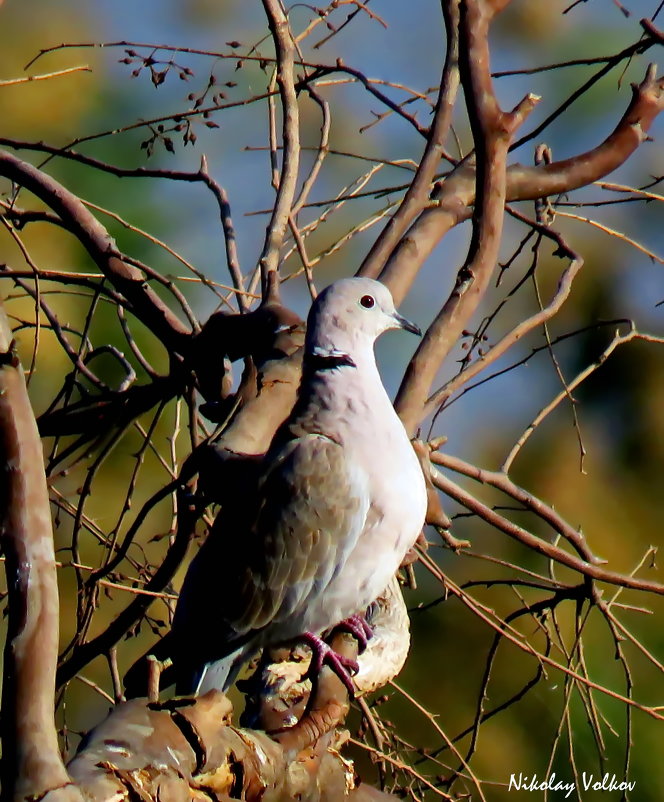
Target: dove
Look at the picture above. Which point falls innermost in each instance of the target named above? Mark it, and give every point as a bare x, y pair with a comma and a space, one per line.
340, 501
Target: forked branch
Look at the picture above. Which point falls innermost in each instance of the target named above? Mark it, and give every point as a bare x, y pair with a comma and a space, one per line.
493, 130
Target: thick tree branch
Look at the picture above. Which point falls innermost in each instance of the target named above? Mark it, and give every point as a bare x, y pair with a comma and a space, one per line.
187, 749
452, 197
492, 132
31, 762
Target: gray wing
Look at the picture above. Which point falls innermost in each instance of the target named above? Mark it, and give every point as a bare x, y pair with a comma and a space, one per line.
312, 509
261, 565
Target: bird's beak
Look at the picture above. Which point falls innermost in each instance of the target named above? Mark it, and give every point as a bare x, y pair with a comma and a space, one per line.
402, 323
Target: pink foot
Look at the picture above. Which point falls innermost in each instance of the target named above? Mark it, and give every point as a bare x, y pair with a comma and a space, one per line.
358, 627
323, 653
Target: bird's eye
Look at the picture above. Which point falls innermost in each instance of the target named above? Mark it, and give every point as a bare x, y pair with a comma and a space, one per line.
367, 301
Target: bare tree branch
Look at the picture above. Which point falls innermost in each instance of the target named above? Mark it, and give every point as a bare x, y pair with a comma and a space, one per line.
285, 52
417, 194
535, 543
31, 762
126, 279
492, 132
451, 198
187, 749
438, 399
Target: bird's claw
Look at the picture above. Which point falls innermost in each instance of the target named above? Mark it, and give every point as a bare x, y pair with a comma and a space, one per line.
324, 653
359, 627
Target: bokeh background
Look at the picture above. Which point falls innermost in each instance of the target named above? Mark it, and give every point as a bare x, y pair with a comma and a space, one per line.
615, 494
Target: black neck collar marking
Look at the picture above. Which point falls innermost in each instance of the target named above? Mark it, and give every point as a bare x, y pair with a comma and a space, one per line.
318, 361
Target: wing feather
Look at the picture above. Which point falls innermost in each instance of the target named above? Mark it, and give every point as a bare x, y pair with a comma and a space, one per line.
262, 566
312, 508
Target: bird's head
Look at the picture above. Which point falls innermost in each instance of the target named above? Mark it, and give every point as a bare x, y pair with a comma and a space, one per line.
349, 313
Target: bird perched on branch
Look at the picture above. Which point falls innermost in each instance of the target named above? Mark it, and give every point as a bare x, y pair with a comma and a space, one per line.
341, 500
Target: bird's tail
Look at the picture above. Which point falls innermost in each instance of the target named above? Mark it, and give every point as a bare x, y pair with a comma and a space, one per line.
218, 674
190, 671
